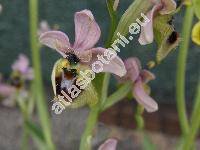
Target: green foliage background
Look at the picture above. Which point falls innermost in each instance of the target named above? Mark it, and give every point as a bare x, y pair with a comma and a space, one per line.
14, 39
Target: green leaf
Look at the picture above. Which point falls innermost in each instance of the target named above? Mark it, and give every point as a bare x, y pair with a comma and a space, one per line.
131, 14
35, 131
196, 4
165, 35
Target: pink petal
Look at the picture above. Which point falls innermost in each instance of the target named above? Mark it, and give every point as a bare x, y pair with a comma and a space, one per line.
56, 40
169, 6
133, 67
109, 144
86, 29
84, 56
115, 65
147, 76
6, 90
21, 64
143, 98
146, 35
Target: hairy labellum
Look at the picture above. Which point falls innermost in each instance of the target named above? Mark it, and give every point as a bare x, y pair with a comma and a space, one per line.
67, 84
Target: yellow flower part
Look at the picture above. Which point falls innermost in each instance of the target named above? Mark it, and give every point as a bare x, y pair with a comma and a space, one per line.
196, 33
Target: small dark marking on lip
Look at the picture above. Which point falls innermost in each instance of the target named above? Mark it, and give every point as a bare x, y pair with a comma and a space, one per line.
16, 82
58, 85
72, 58
70, 73
170, 22
173, 37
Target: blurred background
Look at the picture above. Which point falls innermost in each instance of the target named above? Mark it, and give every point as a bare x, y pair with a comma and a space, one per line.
117, 121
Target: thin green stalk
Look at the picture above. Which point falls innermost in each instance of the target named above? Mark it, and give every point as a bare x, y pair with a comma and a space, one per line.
40, 101
138, 117
104, 92
117, 96
25, 138
86, 138
23, 110
181, 66
195, 123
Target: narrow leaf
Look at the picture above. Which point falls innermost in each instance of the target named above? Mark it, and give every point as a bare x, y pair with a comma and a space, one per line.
196, 4
35, 131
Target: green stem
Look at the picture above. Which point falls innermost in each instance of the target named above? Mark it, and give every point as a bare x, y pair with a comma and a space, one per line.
181, 66
138, 117
104, 92
195, 123
86, 138
25, 138
117, 96
40, 101
23, 110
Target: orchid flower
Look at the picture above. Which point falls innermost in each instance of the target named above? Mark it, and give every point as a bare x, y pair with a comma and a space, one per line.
163, 7
87, 33
81, 55
7, 93
109, 144
139, 77
21, 72
21, 66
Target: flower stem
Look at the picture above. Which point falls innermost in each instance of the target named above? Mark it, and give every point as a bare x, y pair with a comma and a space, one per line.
195, 122
138, 117
181, 66
104, 92
40, 101
86, 138
24, 112
117, 96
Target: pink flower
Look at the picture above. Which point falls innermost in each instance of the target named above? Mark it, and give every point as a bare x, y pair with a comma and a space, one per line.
109, 144
162, 7
6, 90
21, 65
87, 34
139, 77
6, 94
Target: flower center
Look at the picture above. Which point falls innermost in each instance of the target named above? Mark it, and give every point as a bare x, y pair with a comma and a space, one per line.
72, 58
